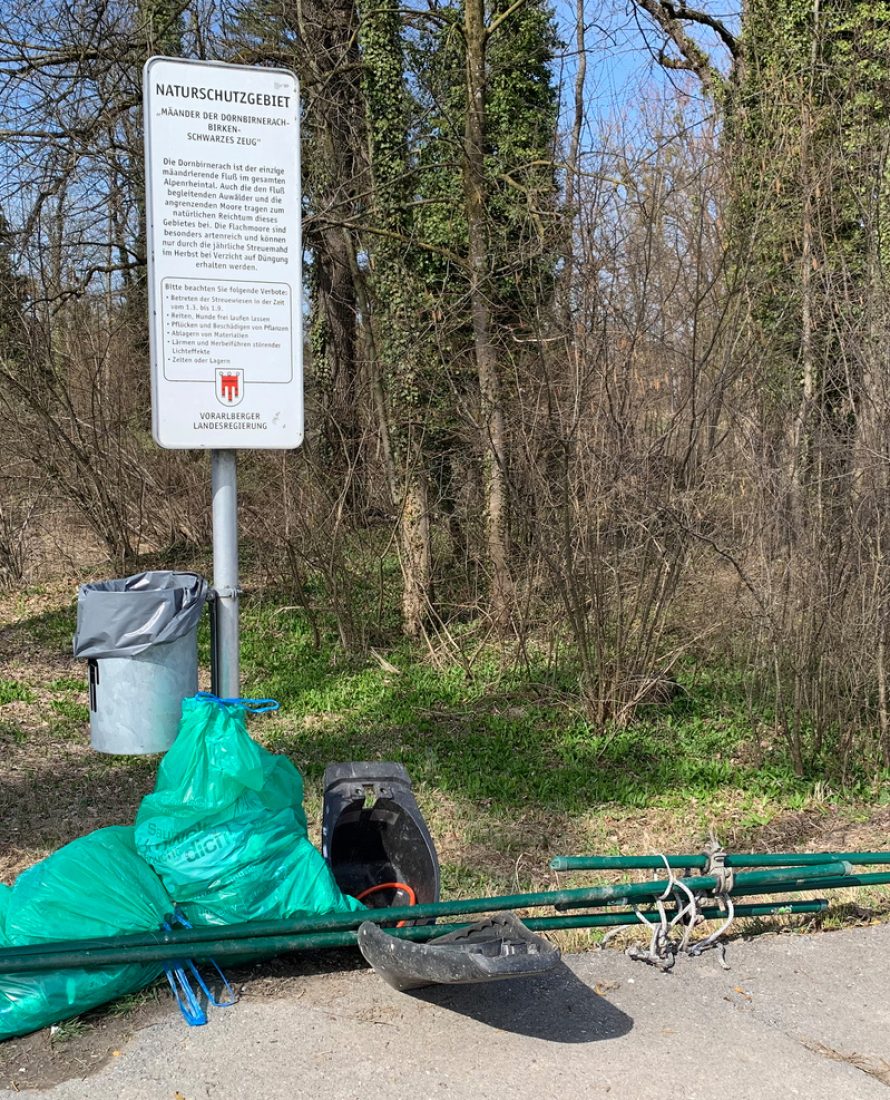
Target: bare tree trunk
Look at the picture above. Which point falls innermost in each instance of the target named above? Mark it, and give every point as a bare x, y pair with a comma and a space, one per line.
801, 426
492, 420
378, 394
409, 492
337, 301
329, 56
881, 669
415, 552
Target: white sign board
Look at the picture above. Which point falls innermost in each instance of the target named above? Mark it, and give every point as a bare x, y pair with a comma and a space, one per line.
224, 254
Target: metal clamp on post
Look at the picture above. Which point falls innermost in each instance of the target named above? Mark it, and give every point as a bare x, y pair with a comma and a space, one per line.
214, 641
214, 595
716, 866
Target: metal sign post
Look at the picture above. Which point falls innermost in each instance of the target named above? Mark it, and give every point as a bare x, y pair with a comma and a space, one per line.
225, 283
224, 477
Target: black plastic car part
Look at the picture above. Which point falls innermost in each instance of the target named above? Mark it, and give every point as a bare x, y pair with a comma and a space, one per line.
374, 837
493, 949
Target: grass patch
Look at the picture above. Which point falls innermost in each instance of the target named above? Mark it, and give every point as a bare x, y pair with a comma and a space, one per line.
12, 731
131, 1002
74, 712
51, 631
504, 738
68, 1030
68, 684
11, 691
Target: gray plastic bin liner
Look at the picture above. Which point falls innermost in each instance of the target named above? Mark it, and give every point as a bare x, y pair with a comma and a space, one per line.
122, 618
140, 635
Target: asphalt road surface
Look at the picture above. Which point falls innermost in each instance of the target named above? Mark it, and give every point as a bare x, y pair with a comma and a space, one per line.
795, 1015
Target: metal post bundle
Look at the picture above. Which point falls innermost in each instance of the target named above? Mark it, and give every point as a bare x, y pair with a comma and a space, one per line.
271, 937
70, 956
701, 860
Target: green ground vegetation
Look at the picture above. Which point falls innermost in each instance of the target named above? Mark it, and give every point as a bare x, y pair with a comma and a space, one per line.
516, 736
507, 767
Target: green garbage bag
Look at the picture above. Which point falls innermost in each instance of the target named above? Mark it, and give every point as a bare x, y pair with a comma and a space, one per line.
95, 886
225, 827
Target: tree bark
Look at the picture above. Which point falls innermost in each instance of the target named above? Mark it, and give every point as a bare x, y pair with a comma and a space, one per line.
414, 531
492, 420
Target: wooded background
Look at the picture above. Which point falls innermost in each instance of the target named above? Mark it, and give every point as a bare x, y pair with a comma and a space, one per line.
602, 381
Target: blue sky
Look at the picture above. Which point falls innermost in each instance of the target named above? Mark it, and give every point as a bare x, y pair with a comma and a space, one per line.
621, 68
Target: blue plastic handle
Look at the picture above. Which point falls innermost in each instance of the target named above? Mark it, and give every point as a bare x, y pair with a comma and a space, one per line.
189, 1004
253, 706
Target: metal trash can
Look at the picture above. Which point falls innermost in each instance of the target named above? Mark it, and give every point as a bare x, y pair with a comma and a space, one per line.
140, 636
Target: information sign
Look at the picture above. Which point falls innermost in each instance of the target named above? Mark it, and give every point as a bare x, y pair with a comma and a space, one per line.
224, 255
